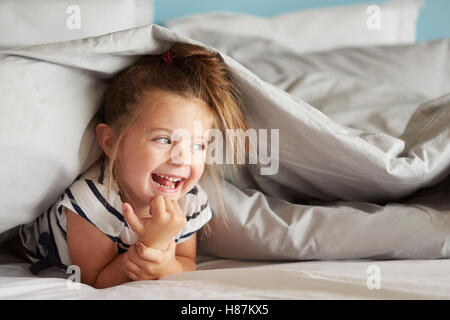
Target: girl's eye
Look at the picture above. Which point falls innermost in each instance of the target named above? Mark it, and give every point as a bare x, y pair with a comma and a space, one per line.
199, 146
166, 140
163, 139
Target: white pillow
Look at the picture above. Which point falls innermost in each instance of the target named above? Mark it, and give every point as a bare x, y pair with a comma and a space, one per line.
316, 29
49, 94
28, 22
44, 144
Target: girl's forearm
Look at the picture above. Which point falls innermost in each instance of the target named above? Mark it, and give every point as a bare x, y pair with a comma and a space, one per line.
180, 264
112, 274
186, 264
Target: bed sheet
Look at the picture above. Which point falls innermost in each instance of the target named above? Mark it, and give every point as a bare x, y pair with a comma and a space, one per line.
230, 279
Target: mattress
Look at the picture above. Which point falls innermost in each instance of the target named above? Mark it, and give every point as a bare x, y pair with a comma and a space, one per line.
231, 279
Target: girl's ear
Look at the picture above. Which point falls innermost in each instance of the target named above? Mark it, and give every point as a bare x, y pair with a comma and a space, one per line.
104, 137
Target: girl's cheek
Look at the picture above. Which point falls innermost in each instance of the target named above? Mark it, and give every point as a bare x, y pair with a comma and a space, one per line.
153, 152
197, 173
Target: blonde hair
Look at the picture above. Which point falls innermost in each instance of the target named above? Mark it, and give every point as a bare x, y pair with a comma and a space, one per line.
192, 71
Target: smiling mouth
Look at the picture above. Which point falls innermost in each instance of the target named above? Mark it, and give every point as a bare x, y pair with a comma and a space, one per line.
166, 183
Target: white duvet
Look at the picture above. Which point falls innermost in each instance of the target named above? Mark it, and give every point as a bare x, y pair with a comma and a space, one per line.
367, 176
364, 162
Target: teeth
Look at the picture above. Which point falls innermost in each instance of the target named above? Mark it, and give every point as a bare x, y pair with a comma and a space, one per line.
173, 180
168, 178
172, 187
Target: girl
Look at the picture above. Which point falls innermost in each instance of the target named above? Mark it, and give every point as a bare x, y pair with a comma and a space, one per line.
134, 214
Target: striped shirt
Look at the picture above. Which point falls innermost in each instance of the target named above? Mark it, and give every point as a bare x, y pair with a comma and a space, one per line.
45, 238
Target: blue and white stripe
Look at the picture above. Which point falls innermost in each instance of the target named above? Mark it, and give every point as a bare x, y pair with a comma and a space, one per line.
87, 198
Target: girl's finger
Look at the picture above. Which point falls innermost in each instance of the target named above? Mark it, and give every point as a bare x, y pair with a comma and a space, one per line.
169, 206
148, 253
158, 206
130, 268
131, 275
177, 207
133, 255
132, 219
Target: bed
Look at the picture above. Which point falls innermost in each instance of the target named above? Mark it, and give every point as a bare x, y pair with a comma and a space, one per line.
358, 207
231, 279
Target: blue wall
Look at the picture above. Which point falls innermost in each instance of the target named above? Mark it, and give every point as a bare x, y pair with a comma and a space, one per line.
434, 18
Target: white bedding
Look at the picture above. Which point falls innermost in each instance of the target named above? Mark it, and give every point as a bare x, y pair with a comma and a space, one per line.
358, 190
227, 279
25, 22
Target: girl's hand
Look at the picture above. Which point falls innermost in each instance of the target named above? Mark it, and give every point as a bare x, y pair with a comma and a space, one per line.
167, 219
145, 263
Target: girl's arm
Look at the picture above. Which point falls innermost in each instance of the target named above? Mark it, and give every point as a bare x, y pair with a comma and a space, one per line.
186, 252
146, 263
94, 253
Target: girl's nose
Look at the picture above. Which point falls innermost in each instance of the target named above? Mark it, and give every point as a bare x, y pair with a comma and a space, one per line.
180, 156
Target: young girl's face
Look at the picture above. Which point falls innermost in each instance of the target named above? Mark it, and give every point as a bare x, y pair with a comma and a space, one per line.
152, 153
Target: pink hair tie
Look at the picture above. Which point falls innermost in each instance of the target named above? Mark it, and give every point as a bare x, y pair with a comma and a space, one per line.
167, 58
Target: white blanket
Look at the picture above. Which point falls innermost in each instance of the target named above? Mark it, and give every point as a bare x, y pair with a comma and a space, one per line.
224, 279
345, 189
293, 214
